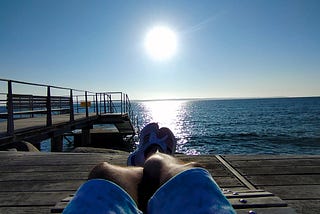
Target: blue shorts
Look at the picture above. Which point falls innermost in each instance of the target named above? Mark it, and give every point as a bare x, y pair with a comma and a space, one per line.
191, 191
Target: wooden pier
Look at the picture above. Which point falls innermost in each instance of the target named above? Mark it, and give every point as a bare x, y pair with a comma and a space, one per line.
34, 118
36, 182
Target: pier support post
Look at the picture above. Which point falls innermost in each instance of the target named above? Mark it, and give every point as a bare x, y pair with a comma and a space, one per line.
85, 137
57, 144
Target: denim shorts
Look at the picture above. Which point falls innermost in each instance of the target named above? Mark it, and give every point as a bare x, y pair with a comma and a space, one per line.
191, 191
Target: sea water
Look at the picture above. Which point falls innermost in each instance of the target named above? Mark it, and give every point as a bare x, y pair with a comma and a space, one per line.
238, 126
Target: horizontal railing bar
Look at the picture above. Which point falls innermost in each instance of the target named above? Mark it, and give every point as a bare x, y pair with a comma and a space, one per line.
43, 85
111, 92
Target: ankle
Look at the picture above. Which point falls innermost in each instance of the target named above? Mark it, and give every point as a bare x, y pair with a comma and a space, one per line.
153, 149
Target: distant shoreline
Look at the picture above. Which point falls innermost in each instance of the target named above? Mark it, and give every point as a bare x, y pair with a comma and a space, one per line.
226, 98
223, 98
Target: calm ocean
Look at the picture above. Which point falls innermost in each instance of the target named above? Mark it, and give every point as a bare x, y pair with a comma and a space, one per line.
238, 126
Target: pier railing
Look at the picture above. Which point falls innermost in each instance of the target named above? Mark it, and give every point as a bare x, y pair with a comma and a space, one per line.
30, 100
114, 102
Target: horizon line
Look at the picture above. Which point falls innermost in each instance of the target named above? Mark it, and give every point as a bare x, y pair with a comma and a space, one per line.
225, 98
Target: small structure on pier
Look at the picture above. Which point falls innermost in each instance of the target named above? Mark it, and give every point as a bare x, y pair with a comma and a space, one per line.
36, 112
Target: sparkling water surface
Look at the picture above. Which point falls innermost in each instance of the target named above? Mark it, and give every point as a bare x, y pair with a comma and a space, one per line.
239, 126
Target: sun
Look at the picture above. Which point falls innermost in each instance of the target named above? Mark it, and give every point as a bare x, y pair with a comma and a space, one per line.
161, 43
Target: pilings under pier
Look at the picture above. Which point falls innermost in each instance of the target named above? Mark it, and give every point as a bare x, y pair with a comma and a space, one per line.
33, 131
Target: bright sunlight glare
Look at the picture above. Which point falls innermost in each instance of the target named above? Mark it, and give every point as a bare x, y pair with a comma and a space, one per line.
172, 114
161, 43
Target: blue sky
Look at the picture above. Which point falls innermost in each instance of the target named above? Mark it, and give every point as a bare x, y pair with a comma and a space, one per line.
225, 48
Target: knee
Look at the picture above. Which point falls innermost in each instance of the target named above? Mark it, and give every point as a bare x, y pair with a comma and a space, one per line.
153, 165
160, 167
101, 170
160, 159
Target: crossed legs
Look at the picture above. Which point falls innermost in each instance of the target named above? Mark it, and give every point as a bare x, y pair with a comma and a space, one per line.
141, 182
191, 191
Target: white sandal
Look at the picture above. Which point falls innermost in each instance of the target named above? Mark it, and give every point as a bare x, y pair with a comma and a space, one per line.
152, 135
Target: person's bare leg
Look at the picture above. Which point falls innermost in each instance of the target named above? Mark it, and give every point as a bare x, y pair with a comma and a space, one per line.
162, 167
158, 169
126, 177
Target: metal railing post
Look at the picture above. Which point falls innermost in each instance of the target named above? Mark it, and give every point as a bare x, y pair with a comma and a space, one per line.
31, 104
124, 104
110, 104
127, 104
77, 104
100, 103
121, 103
10, 122
71, 106
104, 103
86, 100
48, 105
97, 108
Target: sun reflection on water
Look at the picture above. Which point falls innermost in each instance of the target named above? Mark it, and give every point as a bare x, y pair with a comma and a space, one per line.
170, 114
165, 113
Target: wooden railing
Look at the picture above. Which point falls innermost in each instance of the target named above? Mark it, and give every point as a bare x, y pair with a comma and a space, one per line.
15, 103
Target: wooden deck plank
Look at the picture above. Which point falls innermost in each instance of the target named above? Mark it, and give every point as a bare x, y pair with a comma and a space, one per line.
25, 209
305, 206
277, 162
273, 210
268, 157
279, 170
47, 176
46, 168
278, 180
295, 192
40, 186
48, 159
269, 201
31, 198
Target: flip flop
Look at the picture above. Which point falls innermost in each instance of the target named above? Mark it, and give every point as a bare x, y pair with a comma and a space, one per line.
152, 135
170, 140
